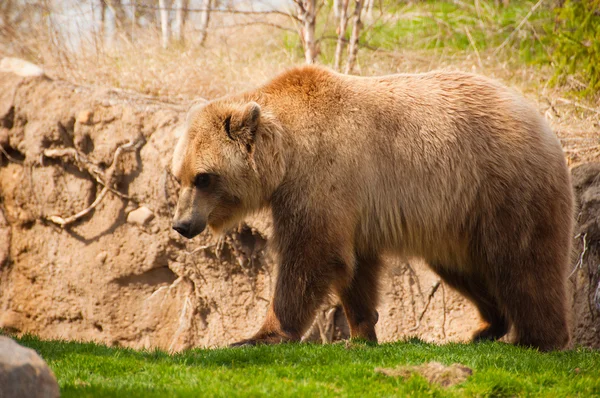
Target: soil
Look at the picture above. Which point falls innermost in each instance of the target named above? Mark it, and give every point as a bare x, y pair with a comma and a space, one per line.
133, 281
433, 372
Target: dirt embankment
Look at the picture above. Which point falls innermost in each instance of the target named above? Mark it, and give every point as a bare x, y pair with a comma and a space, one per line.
117, 273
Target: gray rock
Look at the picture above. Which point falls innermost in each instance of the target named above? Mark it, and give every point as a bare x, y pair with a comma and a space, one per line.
141, 216
23, 373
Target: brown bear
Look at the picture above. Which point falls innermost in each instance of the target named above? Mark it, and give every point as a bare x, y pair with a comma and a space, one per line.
451, 167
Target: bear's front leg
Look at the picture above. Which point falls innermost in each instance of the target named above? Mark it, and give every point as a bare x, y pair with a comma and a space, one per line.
303, 280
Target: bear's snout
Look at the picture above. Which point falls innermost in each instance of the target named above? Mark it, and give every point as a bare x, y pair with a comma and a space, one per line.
187, 229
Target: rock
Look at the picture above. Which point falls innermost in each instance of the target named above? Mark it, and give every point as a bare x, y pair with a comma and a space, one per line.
11, 321
20, 67
140, 216
4, 245
3, 137
85, 117
23, 373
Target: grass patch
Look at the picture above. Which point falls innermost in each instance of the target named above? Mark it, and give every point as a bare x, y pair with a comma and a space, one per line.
87, 369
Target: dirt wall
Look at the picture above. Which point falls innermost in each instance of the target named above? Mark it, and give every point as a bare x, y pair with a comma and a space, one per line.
116, 272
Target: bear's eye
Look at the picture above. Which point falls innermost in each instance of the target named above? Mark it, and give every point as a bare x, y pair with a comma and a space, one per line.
202, 180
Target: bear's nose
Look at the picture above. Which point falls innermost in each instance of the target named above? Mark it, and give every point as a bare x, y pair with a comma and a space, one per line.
182, 227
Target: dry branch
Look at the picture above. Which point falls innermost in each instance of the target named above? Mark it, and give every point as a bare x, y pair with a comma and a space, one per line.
579, 263
84, 164
577, 104
434, 289
108, 177
224, 11
324, 323
10, 158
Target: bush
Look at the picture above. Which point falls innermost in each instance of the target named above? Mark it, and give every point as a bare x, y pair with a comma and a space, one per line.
576, 43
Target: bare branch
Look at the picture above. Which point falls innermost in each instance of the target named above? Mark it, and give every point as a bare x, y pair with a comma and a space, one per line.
10, 158
225, 11
84, 164
577, 104
241, 25
434, 289
64, 222
579, 263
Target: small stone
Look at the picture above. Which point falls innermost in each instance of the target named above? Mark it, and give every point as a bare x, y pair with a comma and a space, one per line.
23, 373
3, 137
85, 117
101, 257
140, 216
20, 67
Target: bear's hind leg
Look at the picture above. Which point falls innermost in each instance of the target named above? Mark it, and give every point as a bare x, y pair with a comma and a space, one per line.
359, 298
476, 290
535, 301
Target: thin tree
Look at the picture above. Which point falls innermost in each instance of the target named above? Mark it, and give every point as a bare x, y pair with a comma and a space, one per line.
102, 19
369, 6
337, 8
307, 13
353, 48
179, 20
204, 20
164, 22
343, 16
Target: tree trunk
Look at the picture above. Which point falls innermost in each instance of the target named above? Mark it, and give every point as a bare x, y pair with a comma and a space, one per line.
164, 22
118, 13
204, 20
102, 20
179, 21
341, 34
337, 8
369, 7
307, 12
353, 48
133, 18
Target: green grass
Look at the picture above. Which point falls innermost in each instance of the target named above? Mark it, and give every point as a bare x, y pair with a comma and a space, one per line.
86, 369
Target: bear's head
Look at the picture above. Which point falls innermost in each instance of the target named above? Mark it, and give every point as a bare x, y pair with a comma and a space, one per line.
217, 162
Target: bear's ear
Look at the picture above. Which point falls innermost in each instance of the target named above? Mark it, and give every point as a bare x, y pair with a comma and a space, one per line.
242, 124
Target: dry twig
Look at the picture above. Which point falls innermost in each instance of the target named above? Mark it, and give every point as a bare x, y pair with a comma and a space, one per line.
577, 104
10, 158
434, 289
579, 263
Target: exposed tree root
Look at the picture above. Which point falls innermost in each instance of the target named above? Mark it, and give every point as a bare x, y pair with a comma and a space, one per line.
104, 179
434, 289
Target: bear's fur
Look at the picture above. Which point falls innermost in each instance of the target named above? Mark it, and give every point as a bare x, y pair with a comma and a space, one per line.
451, 167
